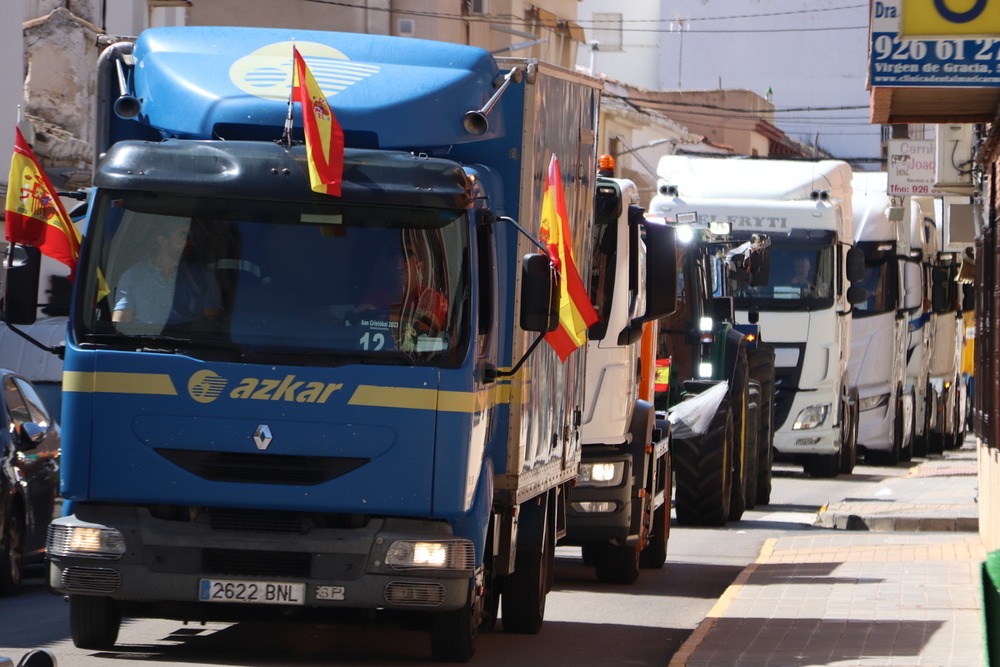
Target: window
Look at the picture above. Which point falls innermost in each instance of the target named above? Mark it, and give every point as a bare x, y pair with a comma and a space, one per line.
607, 31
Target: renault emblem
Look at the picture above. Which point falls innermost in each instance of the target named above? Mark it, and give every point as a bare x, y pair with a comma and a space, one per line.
262, 437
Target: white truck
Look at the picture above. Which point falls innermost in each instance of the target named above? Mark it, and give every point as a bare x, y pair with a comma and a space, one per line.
803, 300
619, 509
879, 338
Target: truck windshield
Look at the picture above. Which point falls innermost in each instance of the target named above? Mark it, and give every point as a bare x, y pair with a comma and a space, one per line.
881, 280
283, 282
801, 277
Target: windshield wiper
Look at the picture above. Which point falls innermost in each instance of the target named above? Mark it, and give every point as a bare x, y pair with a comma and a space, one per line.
170, 344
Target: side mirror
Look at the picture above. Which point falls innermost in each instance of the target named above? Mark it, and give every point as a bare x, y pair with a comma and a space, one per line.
855, 265
539, 294
939, 290
28, 435
22, 265
661, 271
913, 293
856, 295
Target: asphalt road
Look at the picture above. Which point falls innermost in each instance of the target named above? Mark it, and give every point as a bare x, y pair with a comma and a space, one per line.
587, 623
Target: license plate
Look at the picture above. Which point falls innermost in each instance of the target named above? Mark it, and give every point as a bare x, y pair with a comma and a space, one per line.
252, 592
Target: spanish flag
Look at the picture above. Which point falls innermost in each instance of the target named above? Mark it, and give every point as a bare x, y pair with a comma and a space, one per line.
34, 215
576, 313
324, 136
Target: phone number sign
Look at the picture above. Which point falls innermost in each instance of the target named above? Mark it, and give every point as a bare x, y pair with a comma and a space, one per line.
953, 59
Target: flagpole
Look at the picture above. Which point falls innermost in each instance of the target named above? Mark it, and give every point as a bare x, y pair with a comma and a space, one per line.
287, 137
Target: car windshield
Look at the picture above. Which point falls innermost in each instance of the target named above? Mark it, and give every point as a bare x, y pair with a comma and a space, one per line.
295, 282
881, 280
800, 277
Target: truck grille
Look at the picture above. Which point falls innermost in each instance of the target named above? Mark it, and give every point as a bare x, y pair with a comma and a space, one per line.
261, 468
258, 521
90, 580
256, 563
415, 594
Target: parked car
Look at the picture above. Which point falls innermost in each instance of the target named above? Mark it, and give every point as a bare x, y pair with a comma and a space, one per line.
29, 478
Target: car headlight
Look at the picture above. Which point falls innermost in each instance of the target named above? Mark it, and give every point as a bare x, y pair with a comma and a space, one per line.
601, 474
873, 402
85, 542
811, 417
431, 555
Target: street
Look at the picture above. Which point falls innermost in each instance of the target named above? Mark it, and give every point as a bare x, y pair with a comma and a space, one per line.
587, 623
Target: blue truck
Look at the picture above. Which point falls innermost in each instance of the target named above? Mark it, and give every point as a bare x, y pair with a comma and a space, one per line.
283, 431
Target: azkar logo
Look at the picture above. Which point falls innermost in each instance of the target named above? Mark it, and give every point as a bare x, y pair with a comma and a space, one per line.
267, 72
206, 386
943, 18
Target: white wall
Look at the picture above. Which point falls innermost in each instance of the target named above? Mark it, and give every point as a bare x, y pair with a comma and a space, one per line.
637, 62
809, 65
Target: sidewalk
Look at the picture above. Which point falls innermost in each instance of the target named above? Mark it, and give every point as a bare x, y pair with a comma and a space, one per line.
896, 586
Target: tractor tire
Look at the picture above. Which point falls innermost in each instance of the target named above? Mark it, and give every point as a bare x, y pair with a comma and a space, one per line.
739, 399
703, 472
761, 362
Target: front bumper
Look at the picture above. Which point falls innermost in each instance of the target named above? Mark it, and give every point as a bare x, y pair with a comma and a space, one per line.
600, 514
164, 560
824, 439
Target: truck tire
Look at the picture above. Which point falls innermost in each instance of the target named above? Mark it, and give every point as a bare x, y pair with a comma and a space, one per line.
849, 432
739, 399
523, 597
703, 472
761, 362
753, 433
654, 555
12, 550
453, 635
822, 466
94, 622
899, 430
618, 564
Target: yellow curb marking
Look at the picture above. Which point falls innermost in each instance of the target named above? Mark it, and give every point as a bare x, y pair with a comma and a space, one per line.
687, 649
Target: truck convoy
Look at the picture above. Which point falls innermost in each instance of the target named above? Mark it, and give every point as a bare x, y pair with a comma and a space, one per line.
723, 465
803, 302
290, 435
892, 282
620, 507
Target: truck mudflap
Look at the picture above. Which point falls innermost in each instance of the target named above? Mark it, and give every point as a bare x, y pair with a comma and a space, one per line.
223, 556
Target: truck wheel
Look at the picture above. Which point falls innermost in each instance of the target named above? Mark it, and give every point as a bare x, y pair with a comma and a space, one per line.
523, 598
753, 431
739, 399
899, 430
849, 433
703, 472
761, 362
11, 551
94, 621
654, 555
589, 554
453, 635
822, 466
618, 564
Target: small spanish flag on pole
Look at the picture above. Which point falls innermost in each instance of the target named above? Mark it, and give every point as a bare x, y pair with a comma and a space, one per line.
324, 136
576, 313
34, 214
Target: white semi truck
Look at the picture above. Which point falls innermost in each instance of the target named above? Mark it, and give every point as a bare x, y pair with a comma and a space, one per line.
879, 336
803, 300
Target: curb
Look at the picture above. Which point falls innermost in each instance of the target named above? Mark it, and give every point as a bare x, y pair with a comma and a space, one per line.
697, 636
885, 517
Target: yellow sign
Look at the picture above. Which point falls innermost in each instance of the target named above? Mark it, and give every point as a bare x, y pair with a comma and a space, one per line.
949, 18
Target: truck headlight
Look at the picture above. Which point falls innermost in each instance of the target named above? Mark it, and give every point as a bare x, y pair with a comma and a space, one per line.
601, 474
428, 555
873, 402
705, 369
85, 542
811, 417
